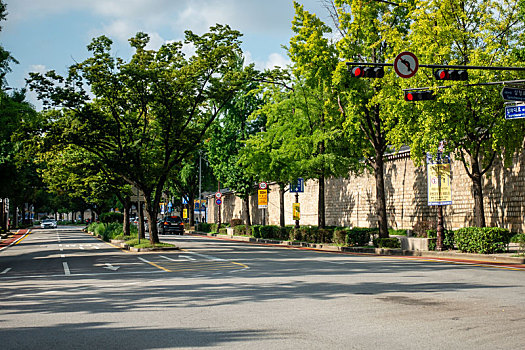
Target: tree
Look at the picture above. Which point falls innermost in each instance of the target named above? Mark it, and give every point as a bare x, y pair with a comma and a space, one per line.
366, 32
146, 114
317, 101
470, 119
227, 139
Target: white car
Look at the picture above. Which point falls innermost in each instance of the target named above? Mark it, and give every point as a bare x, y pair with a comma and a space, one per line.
48, 223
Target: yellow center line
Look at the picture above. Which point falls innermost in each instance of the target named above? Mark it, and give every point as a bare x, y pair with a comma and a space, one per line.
153, 264
21, 239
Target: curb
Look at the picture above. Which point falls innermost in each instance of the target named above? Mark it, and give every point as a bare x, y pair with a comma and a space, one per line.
487, 258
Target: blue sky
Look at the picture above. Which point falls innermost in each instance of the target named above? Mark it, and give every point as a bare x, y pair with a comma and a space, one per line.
53, 34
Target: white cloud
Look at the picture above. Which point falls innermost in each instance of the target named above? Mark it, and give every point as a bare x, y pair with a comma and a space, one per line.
273, 60
38, 68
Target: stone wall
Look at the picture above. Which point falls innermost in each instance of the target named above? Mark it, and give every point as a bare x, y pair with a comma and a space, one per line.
351, 201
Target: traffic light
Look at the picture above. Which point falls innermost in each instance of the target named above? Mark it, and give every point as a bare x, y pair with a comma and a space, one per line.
451, 74
425, 95
368, 72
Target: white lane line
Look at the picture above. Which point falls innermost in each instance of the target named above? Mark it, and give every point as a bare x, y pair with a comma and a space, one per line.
5, 271
97, 247
62, 256
81, 247
206, 256
176, 260
16, 242
66, 269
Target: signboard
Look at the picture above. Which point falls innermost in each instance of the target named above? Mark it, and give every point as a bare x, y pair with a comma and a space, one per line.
218, 201
406, 64
184, 213
515, 112
218, 195
184, 200
200, 205
513, 94
438, 173
298, 187
296, 211
263, 199
263, 186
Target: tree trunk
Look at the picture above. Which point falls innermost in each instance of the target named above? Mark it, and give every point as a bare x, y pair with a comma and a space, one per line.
477, 184
140, 211
282, 221
380, 195
321, 209
246, 204
191, 208
151, 214
127, 208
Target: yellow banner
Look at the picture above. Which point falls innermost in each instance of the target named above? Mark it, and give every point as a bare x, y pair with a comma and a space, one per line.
297, 211
263, 199
439, 189
184, 213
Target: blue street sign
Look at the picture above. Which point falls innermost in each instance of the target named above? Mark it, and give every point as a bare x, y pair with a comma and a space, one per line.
515, 112
513, 94
218, 201
184, 200
298, 187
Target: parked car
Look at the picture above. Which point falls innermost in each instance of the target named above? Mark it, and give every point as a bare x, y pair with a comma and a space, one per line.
171, 224
48, 223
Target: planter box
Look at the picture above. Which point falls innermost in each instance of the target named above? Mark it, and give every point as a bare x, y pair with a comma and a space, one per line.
413, 243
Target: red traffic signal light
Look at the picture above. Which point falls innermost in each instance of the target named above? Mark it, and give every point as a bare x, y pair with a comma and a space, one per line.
368, 72
451, 74
413, 96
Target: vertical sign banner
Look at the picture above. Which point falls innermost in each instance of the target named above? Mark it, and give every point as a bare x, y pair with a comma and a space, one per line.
185, 213
263, 199
438, 174
296, 211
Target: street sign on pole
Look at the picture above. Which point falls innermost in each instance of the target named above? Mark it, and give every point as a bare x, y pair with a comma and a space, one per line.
297, 187
263, 199
406, 64
513, 94
218, 201
515, 112
263, 186
218, 195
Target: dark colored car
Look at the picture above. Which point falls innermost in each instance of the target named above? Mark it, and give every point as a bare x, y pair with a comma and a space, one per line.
171, 224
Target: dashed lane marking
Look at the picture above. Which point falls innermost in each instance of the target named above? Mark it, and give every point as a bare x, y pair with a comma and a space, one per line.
5, 271
66, 269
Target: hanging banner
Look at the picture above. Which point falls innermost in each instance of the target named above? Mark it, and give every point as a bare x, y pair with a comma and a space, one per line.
297, 211
263, 199
438, 174
184, 213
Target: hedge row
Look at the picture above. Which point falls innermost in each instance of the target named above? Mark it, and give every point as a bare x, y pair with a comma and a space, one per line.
483, 240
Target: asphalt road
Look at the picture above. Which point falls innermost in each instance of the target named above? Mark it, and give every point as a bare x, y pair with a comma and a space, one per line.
63, 289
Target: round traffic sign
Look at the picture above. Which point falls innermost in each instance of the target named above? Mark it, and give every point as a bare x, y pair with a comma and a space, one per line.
218, 201
406, 64
218, 195
263, 186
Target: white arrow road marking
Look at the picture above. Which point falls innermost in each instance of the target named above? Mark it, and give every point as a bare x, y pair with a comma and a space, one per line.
207, 256
81, 247
5, 271
111, 267
66, 269
180, 256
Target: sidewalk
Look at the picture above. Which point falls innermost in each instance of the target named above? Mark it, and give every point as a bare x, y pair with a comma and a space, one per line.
11, 238
456, 256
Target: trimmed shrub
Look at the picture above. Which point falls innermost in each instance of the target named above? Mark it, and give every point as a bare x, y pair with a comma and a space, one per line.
387, 243
482, 240
360, 236
270, 232
520, 239
222, 231
235, 222
256, 231
242, 230
397, 232
111, 217
340, 236
448, 239
204, 227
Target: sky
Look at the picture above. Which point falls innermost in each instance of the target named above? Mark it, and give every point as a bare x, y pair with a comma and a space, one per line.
53, 34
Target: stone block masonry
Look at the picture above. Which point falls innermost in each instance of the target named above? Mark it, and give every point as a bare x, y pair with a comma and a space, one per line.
351, 201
